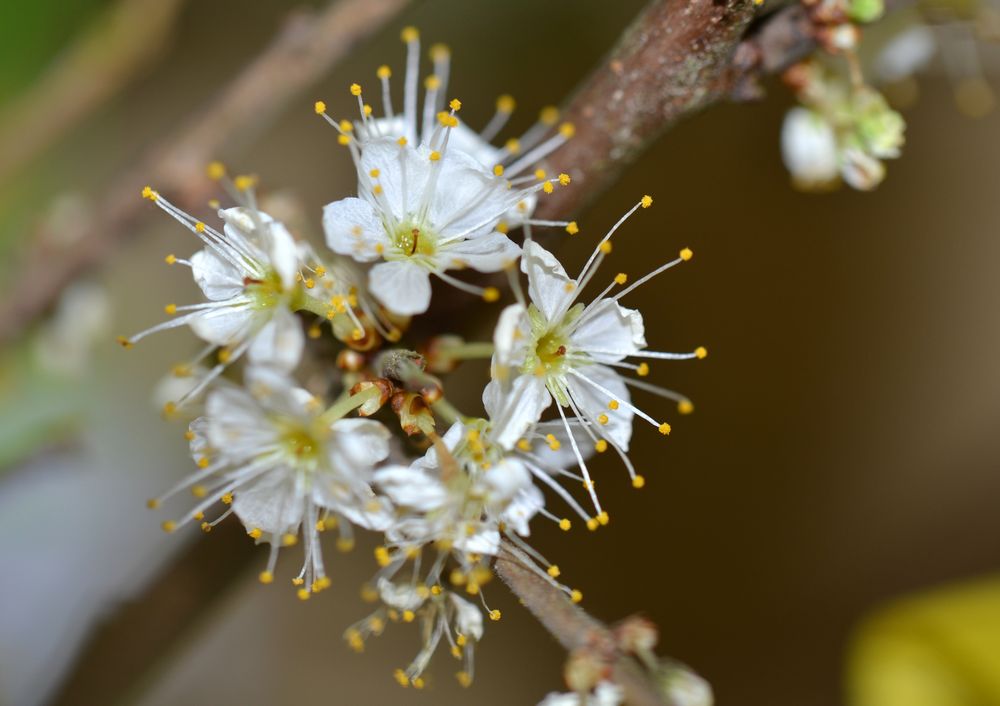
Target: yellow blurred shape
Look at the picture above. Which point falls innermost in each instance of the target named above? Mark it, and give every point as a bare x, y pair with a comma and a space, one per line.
940, 648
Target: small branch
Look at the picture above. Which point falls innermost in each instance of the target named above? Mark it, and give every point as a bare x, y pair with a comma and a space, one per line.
573, 627
120, 45
306, 48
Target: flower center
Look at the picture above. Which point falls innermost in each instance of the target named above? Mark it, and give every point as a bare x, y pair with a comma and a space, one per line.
265, 292
301, 443
414, 240
551, 350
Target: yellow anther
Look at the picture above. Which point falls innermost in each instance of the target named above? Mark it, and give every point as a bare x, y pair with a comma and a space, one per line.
621, 278
456, 652
303, 594
461, 640
244, 182
548, 188
367, 110
345, 544
553, 571
432, 83
524, 445
314, 331
685, 407
603, 419
152, 503
357, 334
199, 491
355, 89
567, 130
369, 594
215, 170
169, 410
605, 247
199, 227
498, 170
646, 201
383, 72
256, 533
564, 179
298, 581
408, 616
455, 104
592, 524
189, 435
374, 173
227, 499
199, 516
329, 523
643, 370
575, 596
377, 189
495, 615
603, 518
346, 126
409, 34
664, 428
214, 203
343, 140
439, 52
638, 482
506, 103
170, 259
565, 525
436, 590
319, 107
400, 676
382, 556
418, 683
613, 405
265, 577
309, 282
169, 526
600, 446
435, 156
686, 254
700, 352
170, 309
513, 145
457, 578
491, 294
572, 228
549, 115
289, 540
148, 193
206, 527
464, 679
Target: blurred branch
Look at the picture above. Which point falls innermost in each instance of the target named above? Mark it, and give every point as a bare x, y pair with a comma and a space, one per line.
304, 49
573, 628
112, 51
676, 58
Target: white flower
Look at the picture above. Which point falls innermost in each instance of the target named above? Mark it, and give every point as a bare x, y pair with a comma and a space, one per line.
458, 493
249, 273
605, 694
809, 148
555, 349
419, 124
283, 465
423, 212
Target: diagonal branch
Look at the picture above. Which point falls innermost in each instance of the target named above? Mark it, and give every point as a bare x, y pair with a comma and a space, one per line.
303, 50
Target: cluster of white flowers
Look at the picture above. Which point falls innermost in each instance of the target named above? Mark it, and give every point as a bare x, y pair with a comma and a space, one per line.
433, 197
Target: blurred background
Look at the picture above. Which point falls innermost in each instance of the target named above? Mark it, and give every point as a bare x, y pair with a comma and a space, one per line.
823, 530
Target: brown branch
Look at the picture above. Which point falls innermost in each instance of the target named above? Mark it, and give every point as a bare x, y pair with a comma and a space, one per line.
117, 47
573, 628
305, 48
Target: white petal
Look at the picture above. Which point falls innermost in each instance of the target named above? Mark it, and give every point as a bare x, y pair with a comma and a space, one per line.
512, 412
217, 278
283, 253
468, 200
593, 403
401, 597
237, 426
525, 506
279, 343
486, 541
510, 338
270, 503
564, 456
359, 444
411, 488
227, 326
354, 228
613, 330
505, 479
403, 287
491, 252
550, 289
468, 618
402, 172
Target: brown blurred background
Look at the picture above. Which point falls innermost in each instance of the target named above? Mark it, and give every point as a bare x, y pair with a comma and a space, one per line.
844, 448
